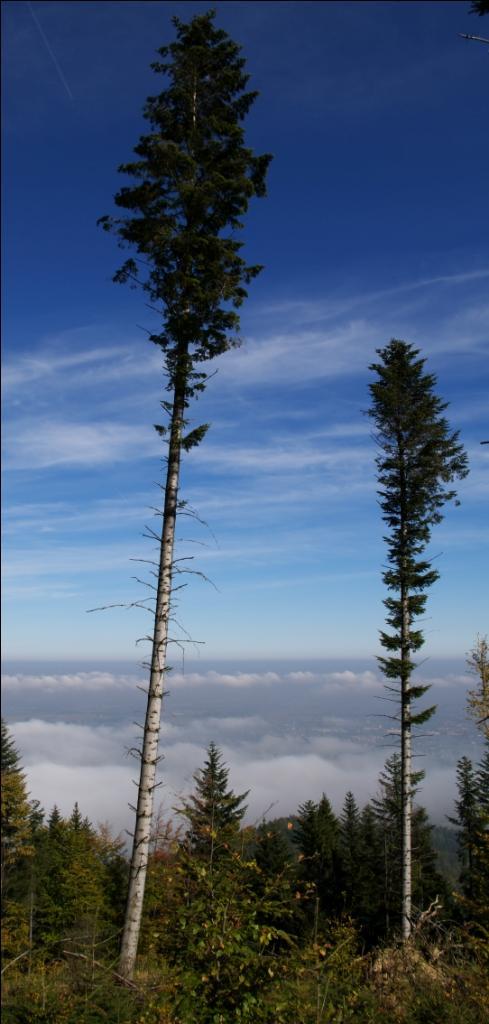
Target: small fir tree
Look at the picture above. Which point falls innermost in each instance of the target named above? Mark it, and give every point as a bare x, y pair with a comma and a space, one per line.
419, 458
213, 812
350, 852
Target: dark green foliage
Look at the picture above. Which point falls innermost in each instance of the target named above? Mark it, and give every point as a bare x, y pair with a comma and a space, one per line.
479, 7
223, 943
483, 782
285, 827
194, 180
77, 883
426, 880
472, 822
213, 812
350, 849
387, 808
275, 873
369, 908
271, 850
467, 820
317, 836
446, 848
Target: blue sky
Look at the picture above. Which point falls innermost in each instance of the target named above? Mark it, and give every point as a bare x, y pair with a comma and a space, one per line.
375, 226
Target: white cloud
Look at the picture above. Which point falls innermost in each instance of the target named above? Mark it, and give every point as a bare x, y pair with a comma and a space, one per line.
39, 444
69, 744
366, 680
236, 679
302, 677
346, 680
85, 681
283, 757
102, 792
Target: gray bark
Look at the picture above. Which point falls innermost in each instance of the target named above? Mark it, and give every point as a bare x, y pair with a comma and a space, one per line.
149, 752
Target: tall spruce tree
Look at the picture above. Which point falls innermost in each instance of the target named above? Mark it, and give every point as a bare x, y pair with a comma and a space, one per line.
419, 456
194, 178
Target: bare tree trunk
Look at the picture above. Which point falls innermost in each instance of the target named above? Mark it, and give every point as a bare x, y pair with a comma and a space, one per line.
406, 772
149, 753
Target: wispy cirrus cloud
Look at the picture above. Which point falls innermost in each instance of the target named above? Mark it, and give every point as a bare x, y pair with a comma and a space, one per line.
41, 444
54, 559
298, 352
73, 358
329, 308
62, 516
46, 363
288, 456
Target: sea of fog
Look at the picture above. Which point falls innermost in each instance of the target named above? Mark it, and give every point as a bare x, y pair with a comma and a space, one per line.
288, 730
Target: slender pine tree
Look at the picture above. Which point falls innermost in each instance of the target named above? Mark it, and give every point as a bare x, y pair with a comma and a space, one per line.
192, 183
419, 456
